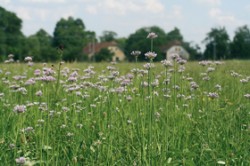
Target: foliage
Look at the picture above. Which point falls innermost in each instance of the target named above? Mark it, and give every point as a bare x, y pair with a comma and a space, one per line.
11, 37
118, 114
138, 41
175, 34
108, 36
103, 55
217, 44
240, 47
70, 34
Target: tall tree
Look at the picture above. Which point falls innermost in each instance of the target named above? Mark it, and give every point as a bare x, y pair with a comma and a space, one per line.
108, 36
11, 37
39, 46
139, 41
70, 34
217, 44
175, 34
240, 47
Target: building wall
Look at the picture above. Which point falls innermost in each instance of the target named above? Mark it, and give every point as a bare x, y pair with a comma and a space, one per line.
177, 50
118, 53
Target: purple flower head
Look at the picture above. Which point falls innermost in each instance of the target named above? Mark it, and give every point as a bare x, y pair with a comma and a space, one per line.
166, 63
148, 66
39, 93
37, 72
10, 56
150, 55
174, 56
21, 160
19, 108
28, 59
247, 96
152, 35
213, 95
136, 53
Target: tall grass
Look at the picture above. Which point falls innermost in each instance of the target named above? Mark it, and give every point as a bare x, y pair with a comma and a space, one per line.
117, 114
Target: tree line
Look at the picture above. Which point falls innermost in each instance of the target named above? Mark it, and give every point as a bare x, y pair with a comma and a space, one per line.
71, 36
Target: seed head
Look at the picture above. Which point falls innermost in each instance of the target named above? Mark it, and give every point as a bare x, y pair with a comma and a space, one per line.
152, 35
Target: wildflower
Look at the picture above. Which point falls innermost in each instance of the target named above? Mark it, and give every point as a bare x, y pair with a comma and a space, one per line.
203, 63
129, 98
136, 53
247, 96
30, 63
120, 89
150, 55
181, 69
174, 56
166, 63
1, 95
181, 61
28, 59
152, 35
155, 83
210, 69
69, 134
12, 146
213, 95
40, 121
10, 56
20, 108
37, 72
194, 85
30, 81
63, 126
125, 82
217, 86
72, 79
244, 81
20, 160
39, 93
47, 78
148, 66
129, 121
221, 162
29, 129
22, 90
79, 125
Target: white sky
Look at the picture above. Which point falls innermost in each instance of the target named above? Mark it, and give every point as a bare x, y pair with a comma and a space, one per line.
194, 18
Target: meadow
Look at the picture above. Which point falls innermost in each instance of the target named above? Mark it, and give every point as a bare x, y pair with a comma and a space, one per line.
169, 113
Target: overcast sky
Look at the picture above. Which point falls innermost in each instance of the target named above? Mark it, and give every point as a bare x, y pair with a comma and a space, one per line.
193, 17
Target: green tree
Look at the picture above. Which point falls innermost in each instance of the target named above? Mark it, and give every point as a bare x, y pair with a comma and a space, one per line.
193, 50
175, 34
103, 55
70, 34
108, 36
139, 41
240, 47
217, 44
47, 53
39, 46
32, 48
11, 37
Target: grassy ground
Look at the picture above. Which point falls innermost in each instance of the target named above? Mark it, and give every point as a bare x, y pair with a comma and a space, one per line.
125, 114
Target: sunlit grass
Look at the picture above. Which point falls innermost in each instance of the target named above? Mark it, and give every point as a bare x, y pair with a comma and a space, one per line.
106, 114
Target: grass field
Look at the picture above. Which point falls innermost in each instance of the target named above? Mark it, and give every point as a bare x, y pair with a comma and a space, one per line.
125, 114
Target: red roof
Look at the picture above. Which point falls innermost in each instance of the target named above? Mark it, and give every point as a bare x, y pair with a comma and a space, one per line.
97, 47
165, 47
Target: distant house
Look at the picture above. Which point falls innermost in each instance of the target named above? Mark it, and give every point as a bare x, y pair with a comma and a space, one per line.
93, 48
175, 47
